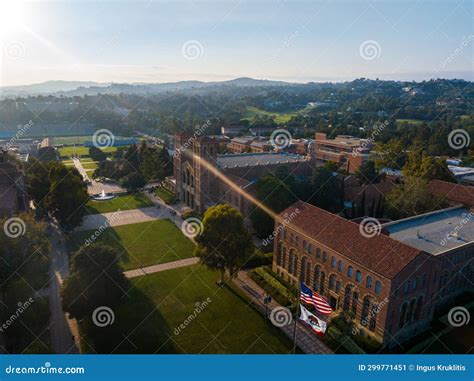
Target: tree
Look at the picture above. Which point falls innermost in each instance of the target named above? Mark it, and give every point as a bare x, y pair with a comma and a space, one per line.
411, 198
97, 154
224, 244
367, 174
66, 196
133, 181
37, 181
327, 190
96, 280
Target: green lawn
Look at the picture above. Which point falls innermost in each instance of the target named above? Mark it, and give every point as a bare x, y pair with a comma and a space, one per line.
158, 304
71, 139
415, 122
130, 201
80, 150
167, 196
280, 118
143, 244
89, 164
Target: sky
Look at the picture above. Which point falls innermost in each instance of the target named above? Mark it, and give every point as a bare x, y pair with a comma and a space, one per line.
299, 41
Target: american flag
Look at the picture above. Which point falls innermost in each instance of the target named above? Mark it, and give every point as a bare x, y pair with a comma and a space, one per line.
311, 297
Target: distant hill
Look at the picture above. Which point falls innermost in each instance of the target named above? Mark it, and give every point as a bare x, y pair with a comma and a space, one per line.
48, 87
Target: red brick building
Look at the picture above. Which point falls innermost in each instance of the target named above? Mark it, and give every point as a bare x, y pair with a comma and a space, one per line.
348, 151
390, 287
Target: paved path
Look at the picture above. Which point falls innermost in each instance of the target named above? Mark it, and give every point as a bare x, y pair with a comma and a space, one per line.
62, 328
125, 217
306, 340
96, 187
162, 267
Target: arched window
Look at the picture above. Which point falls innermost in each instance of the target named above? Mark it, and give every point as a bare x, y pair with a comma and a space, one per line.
358, 276
368, 282
332, 282
292, 238
279, 253
283, 262
297, 241
378, 287
355, 298
325, 256
338, 286
290, 262
333, 262
415, 283
285, 234
365, 311
310, 249
417, 313
373, 317
401, 321
308, 272
323, 278
303, 270
318, 252
347, 298
349, 271
304, 245
317, 270
295, 265
340, 265
411, 309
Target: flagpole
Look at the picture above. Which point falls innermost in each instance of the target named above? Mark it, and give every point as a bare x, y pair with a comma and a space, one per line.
296, 316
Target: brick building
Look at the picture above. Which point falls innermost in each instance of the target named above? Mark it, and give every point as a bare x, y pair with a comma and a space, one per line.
348, 151
391, 283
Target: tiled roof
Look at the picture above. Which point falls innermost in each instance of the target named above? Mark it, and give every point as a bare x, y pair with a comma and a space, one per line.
380, 254
461, 194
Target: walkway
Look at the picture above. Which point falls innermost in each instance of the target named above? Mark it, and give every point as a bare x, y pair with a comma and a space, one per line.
306, 340
62, 328
95, 187
164, 266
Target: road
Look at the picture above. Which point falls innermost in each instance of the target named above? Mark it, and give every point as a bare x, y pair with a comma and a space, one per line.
162, 267
62, 328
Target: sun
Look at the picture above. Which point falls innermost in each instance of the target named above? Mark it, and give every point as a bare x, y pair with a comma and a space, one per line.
12, 16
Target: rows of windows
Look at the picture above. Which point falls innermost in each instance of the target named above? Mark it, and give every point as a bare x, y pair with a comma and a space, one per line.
335, 263
410, 312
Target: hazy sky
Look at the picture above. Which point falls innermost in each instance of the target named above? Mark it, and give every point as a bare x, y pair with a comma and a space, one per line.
159, 41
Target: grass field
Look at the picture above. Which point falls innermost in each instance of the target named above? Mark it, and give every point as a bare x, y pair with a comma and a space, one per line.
131, 201
280, 118
81, 151
71, 139
167, 196
143, 244
154, 314
415, 122
89, 164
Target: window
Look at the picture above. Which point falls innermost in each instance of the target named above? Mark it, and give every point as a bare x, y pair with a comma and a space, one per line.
332, 282
283, 262
325, 256
295, 265
317, 270
338, 286
415, 283
368, 283
292, 238
323, 278
340, 265
365, 311
401, 321
349, 271
406, 286
333, 262
318, 253
279, 250
290, 263
304, 245
297, 241
285, 234
378, 287
310, 249
355, 298
419, 303
358, 276
303, 270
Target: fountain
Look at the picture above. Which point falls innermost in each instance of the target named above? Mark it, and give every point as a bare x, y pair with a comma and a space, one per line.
102, 196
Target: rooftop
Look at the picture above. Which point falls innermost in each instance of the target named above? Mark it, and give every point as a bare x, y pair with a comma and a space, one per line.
252, 159
460, 194
380, 254
435, 232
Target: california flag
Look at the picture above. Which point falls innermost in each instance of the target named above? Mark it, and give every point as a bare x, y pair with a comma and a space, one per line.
317, 325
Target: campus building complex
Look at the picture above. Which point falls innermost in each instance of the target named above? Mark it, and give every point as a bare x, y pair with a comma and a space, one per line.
391, 281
